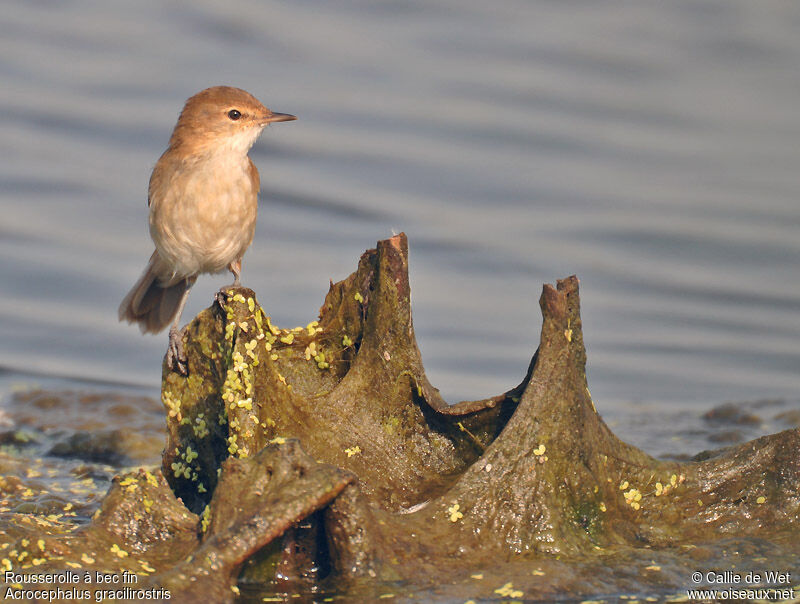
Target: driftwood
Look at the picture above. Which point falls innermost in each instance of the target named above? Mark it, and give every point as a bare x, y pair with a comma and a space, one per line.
322, 458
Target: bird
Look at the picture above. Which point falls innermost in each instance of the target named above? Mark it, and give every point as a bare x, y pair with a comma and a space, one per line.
203, 202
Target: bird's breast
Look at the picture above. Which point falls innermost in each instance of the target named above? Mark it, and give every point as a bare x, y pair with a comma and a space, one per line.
203, 212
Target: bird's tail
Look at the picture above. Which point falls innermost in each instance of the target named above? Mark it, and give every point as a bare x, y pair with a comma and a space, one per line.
153, 304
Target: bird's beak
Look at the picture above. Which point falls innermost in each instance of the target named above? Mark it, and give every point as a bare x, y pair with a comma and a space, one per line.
277, 117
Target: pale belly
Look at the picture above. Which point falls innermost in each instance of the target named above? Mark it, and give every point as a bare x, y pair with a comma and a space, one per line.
202, 223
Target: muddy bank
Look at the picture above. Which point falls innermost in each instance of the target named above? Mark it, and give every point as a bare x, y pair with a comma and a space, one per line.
320, 460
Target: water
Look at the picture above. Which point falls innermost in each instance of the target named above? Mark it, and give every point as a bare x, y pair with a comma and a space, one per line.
651, 149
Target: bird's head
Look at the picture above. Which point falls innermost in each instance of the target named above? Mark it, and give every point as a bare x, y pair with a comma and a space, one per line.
222, 118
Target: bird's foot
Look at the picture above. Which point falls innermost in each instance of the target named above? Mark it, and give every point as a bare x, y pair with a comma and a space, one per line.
221, 297
176, 356
225, 292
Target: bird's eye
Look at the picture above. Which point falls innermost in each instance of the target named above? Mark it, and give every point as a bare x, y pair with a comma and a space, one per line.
234, 114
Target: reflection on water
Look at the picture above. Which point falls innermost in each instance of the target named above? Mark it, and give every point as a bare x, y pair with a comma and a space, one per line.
652, 150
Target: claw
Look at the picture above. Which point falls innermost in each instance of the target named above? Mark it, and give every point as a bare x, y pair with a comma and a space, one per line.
176, 356
221, 297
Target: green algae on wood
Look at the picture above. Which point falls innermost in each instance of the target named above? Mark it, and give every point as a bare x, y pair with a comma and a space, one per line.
372, 396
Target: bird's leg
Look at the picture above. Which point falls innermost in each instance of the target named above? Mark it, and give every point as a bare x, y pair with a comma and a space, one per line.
236, 268
176, 356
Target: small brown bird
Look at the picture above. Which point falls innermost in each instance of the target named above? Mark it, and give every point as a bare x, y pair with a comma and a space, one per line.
203, 205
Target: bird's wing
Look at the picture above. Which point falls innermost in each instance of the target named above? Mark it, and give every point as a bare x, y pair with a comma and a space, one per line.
254, 177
